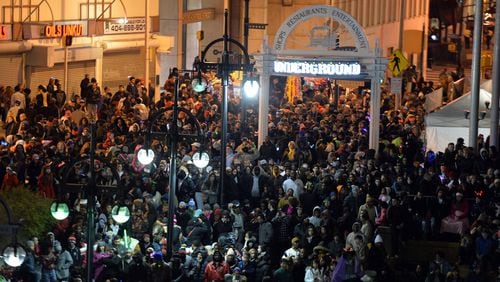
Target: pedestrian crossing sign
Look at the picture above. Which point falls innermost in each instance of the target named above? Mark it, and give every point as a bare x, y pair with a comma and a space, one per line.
398, 63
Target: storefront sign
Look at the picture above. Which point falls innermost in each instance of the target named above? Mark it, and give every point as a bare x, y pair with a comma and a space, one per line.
131, 25
5, 32
198, 15
60, 30
318, 68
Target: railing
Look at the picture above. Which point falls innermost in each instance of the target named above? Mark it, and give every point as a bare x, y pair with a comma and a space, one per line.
434, 100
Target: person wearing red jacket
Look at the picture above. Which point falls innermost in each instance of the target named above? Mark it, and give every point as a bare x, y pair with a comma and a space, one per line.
216, 269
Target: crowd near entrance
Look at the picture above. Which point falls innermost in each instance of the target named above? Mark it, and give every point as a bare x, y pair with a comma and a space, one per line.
337, 185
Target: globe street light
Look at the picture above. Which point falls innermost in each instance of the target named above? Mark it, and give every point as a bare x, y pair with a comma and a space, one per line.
14, 255
201, 159
60, 210
146, 155
223, 70
251, 88
199, 84
120, 213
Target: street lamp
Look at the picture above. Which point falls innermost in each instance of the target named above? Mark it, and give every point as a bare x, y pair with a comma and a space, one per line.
60, 210
147, 155
120, 213
13, 254
199, 83
251, 88
223, 70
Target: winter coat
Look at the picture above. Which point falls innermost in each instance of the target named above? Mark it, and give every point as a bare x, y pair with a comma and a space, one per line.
216, 273
64, 262
265, 233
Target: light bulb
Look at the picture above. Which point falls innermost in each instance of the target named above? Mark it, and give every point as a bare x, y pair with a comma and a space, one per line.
251, 88
120, 214
201, 160
145, 157
14, 255
59, 210
199, 84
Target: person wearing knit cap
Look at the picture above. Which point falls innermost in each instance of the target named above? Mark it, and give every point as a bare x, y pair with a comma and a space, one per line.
74, 251
160, 270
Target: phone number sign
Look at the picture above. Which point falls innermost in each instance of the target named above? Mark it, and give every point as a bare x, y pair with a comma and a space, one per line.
134, 25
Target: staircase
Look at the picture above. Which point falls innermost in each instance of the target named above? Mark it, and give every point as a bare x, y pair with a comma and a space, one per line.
433, 75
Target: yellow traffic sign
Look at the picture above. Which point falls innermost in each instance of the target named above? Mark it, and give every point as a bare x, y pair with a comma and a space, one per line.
398, 63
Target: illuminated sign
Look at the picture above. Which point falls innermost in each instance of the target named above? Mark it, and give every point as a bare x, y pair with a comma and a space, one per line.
317, 68
60, 30
131, 25
5, 32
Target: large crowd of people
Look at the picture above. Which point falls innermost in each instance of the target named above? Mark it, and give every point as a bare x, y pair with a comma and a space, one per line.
309, 204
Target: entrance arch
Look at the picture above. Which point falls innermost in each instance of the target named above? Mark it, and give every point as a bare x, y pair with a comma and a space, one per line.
335, 38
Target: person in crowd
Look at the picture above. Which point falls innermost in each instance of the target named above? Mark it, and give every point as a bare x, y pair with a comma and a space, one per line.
63, 264
457, 221
217, 268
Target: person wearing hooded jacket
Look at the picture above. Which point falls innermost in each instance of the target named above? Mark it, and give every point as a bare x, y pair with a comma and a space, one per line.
63, 264
216, 269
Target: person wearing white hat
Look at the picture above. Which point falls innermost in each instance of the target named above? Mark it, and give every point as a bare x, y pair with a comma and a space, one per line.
376, 256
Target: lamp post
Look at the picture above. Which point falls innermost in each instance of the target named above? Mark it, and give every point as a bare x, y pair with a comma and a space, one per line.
224, 68
13, 254
60, 210
146, 155
476, 71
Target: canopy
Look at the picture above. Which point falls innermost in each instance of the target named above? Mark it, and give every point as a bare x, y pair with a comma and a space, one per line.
449, 123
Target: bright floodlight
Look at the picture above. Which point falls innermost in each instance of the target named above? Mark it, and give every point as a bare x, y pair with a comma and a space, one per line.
145, 156
199, 84
120, 214
201, 160
14, 255
59, 210
251, 88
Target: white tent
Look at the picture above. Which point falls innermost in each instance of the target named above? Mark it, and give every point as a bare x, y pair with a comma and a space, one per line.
449, 123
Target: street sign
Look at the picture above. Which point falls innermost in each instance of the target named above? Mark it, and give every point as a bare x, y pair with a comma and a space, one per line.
257, 26
396, 85
199, 15
398, 63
